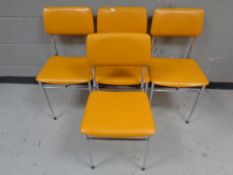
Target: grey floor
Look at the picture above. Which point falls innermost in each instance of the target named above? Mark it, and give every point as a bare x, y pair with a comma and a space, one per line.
32, 143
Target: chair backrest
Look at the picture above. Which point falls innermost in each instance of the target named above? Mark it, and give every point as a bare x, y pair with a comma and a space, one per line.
122, 19
177, 22
119, 49
68, 20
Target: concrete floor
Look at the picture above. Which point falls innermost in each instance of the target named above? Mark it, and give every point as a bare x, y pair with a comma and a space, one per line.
32, 143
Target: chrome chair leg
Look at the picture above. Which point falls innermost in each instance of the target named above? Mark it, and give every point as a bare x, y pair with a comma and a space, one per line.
97, 85
89, 86
48, 101
146, 153
151, 91
146, 87
194, 105
90, 153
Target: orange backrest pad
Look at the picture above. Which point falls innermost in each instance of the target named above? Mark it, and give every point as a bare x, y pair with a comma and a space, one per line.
119, 49
68, 20
122, 19
177, 22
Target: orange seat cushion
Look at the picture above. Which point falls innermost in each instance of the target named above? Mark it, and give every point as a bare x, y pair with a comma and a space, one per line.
65, 70
118, 115
121, 75
177, 73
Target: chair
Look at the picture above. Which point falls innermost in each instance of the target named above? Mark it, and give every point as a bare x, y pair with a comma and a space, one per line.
177, 74
121, 19
118, 115
65, 71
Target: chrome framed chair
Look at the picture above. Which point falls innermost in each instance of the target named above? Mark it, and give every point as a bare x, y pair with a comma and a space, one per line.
116, 20
65, 71
177, 74
114, 115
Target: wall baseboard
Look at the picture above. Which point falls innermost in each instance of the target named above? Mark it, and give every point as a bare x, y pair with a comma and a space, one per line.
220, 85
18, 80
31, 80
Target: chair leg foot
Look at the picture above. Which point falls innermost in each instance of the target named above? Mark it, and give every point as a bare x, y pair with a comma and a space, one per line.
90, 154
48, 101
194, 105
92, 167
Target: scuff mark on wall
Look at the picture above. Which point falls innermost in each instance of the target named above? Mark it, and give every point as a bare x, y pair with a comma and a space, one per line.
166, 3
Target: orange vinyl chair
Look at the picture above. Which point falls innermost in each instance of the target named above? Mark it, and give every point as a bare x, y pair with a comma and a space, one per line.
118, 115
65, 71
126, 20
177, 74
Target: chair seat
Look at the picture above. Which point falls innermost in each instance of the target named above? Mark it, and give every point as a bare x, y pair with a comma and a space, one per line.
121, 75
118, 115
65, 70
177, 73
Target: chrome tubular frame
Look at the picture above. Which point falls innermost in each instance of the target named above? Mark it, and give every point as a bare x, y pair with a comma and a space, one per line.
151, 91
142, 78
195, 104
148, 143
95, 85
199, 92
48, 101
146, 152
191, 47
90, 153
193, 39
46, 86
54, 45
146, 87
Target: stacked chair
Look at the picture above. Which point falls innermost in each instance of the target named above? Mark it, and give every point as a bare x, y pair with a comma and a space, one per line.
64, 71
119, 55
118, 115
177, 74
128, 20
